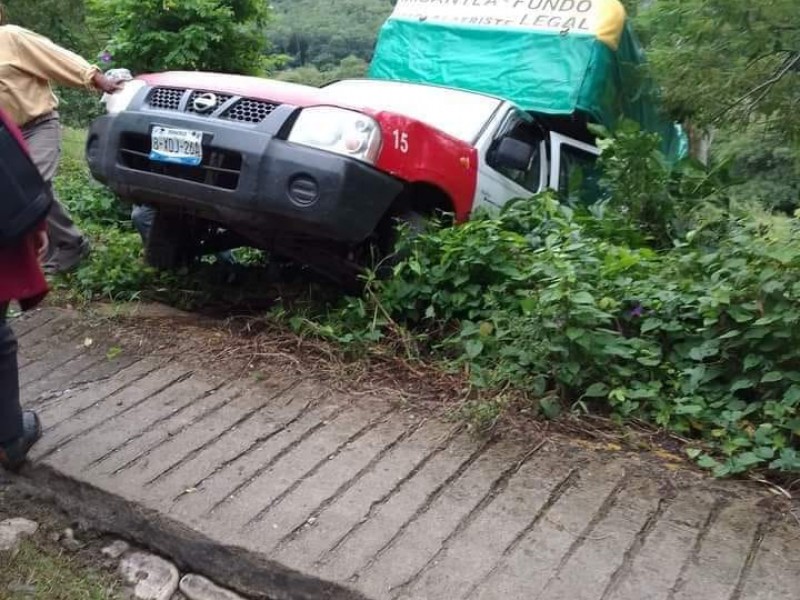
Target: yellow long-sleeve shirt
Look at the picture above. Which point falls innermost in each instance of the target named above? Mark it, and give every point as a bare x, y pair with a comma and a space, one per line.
28, 64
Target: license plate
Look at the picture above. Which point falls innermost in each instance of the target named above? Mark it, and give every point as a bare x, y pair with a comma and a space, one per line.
177, 146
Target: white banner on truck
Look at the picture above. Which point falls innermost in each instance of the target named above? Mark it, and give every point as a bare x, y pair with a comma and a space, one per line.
579, 16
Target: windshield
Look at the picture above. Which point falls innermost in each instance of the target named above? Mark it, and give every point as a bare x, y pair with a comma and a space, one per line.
461, 115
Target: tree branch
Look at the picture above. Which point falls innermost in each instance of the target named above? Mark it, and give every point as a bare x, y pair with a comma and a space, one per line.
764, 88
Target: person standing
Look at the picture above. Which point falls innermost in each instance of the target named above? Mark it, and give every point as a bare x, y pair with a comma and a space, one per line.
29, 64
21, 279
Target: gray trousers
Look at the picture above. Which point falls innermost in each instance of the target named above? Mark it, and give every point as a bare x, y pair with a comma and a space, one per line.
43, 136
10, 410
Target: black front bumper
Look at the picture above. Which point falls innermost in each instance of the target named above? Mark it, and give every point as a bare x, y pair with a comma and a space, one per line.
250, 180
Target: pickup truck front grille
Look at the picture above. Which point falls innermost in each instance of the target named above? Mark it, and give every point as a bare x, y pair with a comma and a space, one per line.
165, 99
220, 168
221, 99
228, 107
249, 111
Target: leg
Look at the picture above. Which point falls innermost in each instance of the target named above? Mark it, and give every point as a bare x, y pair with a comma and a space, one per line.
10, 411
67, 244
19, 430
142, 216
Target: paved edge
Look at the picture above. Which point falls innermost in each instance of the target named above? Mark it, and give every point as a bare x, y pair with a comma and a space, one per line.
235, 568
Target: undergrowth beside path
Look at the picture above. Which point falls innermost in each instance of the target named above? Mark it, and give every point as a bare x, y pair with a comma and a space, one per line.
664, 303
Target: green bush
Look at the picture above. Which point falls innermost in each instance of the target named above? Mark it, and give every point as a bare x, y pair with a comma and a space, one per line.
664, 302
115, 270
78, 108
701, 340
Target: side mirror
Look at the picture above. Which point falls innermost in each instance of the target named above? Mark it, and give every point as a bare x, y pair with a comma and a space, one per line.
513, 154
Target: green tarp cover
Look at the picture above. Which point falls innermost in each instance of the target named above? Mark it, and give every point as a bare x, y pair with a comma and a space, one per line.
556, 57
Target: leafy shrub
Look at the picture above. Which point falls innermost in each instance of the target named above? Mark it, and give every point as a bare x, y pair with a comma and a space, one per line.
162, 35
700, 340
115, 270
78, 107
89, 201
664, 302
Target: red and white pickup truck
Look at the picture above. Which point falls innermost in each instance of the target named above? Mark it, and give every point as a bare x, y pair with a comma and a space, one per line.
317, 175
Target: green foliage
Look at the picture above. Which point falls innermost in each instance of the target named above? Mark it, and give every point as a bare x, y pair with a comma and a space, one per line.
41, 571
730, 58
321, 34
694, 329
348, 68
733, 67
86, 199
77, 107
762, 165
159, 35
115, 270
63, 21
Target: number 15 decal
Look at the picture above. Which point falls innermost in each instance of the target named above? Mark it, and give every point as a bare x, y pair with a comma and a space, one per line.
401, 141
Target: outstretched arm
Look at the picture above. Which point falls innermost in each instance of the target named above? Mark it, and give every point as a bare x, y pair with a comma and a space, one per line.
46, 60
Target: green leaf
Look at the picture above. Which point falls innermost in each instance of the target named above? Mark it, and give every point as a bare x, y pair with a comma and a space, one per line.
772, 377
704, 351
747, 459
584, 298
574, 333
792, 395
474, 348
528, 305
651, 325
751, 361
706, 462
740, 315
550, 407
742, 384
597, 390
765, 453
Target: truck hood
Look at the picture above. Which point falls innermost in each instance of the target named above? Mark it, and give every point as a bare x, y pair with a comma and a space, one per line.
459, 114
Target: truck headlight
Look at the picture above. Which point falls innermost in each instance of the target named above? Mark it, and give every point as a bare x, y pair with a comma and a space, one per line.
344, 132
119, 101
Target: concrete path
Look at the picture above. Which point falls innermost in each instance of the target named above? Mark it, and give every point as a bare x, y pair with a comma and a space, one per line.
356, 492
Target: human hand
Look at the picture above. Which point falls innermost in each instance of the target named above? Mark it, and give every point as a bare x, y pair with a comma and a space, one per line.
105, 84
42, 245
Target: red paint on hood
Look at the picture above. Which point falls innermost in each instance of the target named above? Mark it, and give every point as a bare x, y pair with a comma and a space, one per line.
250, 87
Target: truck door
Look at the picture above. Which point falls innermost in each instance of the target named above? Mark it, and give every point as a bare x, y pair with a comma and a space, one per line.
513, 161
573, 169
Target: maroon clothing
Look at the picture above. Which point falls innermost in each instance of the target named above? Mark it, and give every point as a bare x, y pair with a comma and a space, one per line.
21, 276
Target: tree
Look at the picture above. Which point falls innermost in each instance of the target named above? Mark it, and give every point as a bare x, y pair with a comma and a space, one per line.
732, 68
350, 67
726, 61
323, 32
158, 35
63, 21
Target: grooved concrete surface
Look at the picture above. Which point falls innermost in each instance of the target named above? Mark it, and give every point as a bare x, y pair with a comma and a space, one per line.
356, 491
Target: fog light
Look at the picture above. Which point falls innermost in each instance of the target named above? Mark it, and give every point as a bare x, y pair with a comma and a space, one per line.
303, 191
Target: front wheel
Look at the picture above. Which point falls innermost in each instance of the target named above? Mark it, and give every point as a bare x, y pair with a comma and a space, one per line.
387, 253
172, 242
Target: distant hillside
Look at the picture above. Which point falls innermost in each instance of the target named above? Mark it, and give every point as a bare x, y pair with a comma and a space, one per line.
320, 33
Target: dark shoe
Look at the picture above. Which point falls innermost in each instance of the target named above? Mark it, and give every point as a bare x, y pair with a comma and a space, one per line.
12, 455
65, 261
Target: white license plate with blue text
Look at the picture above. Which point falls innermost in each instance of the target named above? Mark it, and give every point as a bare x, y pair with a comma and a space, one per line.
177, 146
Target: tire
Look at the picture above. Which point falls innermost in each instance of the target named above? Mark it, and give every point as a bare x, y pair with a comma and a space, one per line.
172, 242
387, 255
